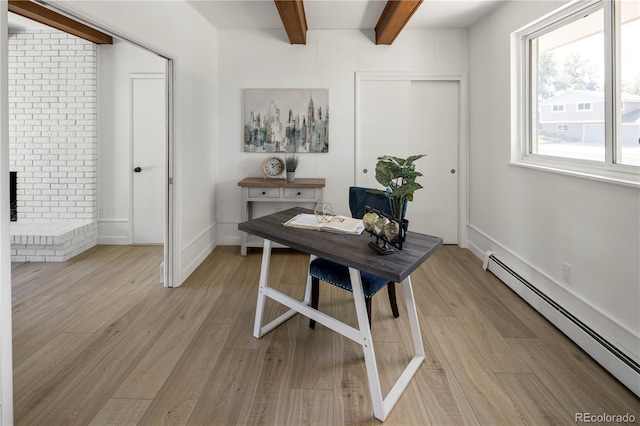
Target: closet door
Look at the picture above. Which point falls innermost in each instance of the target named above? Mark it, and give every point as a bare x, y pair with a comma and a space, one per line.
408, 117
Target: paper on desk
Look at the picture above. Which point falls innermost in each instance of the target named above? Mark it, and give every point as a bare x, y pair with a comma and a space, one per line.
339, 224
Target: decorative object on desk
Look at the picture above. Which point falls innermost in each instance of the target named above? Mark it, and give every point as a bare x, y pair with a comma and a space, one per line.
388, 230
291, 163
273, 167
398, 176
369, 219
324, 212
286, 120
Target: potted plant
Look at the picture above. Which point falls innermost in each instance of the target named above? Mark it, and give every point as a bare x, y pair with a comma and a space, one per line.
291, 164
398, 176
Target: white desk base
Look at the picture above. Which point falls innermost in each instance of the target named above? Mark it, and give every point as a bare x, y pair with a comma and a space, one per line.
381, 406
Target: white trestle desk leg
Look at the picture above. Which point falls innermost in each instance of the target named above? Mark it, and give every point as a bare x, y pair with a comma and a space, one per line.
412, 313
383, 406
262, 287
265, 291
367, 345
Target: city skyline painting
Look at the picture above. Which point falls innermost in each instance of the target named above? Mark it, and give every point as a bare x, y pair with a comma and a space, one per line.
286, 120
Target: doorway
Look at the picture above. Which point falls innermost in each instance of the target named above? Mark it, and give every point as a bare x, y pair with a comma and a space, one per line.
403, 115
113, 214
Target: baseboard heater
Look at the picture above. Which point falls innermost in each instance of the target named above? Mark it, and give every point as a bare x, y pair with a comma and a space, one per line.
569, 325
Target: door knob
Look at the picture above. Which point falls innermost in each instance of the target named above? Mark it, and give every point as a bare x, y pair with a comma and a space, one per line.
137, 170
453, 171
364, 170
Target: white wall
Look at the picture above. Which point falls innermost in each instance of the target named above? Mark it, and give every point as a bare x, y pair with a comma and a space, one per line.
177, 31
535, 220
116, 62
265, 59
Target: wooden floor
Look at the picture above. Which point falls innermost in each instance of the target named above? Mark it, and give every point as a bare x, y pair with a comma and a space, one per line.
97, 340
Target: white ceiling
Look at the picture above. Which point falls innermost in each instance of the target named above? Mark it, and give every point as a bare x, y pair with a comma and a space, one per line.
342, 14
328, 14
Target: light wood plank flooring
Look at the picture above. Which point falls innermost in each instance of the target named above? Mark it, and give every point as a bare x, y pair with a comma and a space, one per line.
98, 341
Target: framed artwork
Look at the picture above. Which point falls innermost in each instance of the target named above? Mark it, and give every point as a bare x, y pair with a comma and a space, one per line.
286, 120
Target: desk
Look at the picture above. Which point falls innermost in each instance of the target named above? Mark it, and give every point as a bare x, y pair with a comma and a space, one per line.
257, 190
351, 251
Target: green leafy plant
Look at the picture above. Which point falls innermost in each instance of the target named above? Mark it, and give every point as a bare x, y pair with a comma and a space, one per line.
398, 176
291, 162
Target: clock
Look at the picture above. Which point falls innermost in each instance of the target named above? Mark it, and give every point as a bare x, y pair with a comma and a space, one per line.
273, 167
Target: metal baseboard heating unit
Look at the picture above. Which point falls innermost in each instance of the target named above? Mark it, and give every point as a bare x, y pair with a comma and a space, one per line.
619, 364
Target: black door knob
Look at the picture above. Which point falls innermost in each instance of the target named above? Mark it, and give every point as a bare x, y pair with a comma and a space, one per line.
137, 170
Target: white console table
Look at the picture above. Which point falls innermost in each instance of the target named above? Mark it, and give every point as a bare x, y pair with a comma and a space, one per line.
258, 190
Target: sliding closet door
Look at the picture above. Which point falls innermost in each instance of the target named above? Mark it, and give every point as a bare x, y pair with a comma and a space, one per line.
407, 117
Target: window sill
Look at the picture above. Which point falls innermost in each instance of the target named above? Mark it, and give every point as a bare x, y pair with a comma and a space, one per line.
584, 172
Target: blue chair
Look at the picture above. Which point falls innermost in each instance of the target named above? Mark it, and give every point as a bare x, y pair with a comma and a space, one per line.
338, 275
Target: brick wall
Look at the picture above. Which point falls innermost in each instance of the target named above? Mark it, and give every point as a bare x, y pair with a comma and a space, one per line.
52, 125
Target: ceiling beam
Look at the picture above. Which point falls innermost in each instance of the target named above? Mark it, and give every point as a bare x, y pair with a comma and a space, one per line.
394, 17
48, 17
294, 20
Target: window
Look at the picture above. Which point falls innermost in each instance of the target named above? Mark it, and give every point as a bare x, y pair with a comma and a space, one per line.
580, 60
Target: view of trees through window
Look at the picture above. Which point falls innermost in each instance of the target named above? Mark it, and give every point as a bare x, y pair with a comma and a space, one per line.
567, 83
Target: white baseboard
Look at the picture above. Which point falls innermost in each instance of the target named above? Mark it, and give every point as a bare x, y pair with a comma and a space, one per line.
196, 251
114, 241
609, 343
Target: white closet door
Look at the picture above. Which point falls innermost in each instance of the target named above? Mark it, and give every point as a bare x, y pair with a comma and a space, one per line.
407, 117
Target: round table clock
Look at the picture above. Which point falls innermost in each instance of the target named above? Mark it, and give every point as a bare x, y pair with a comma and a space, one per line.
273, 167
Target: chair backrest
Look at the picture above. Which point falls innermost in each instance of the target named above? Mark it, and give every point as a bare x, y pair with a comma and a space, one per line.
360, 197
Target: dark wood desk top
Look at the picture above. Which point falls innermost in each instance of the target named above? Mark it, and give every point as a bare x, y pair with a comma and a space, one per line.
278, 183
349, 250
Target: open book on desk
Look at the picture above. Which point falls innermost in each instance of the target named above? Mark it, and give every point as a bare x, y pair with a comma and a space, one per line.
339, 224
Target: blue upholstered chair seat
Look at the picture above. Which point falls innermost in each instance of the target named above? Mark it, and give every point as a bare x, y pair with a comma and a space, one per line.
338, 275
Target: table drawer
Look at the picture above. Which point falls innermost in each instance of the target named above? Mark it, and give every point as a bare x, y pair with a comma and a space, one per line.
264, 192
309, 193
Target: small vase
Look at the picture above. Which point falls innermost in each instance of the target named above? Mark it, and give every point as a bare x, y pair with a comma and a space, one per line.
291, 176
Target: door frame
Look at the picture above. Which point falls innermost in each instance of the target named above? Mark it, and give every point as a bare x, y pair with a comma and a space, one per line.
463, 133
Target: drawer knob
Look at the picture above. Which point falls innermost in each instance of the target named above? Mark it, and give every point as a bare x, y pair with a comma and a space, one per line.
264, 193
299, 193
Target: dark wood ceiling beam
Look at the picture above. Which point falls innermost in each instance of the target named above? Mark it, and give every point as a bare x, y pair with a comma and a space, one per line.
55, 20
294, 20
394, 17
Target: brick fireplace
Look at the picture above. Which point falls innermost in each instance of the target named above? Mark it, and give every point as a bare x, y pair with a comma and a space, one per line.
53, 144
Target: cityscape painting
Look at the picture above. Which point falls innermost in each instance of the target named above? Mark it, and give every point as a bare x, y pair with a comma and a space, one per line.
286, 120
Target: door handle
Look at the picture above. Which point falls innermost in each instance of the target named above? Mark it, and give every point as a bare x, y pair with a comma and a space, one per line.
137, 170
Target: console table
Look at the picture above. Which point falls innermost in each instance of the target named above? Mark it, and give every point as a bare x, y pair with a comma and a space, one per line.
258, 190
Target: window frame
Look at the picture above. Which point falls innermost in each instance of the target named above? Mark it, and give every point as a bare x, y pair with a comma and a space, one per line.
521, 92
